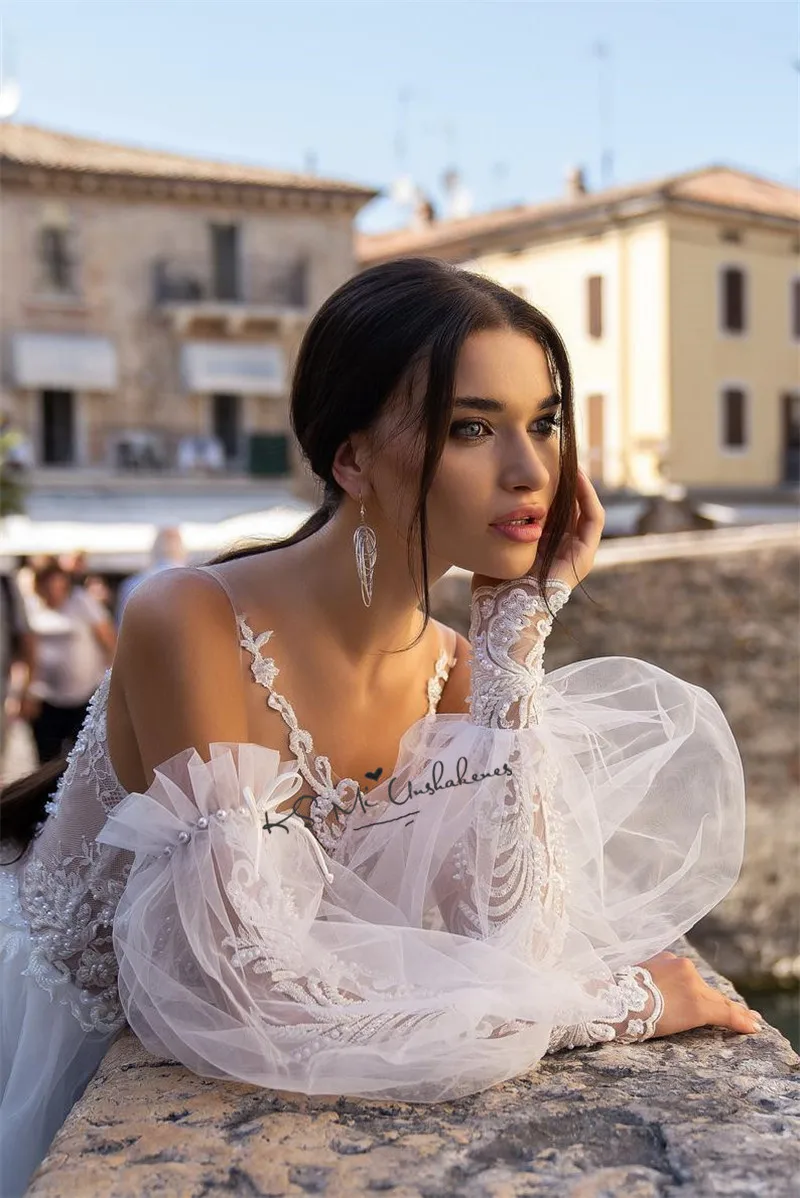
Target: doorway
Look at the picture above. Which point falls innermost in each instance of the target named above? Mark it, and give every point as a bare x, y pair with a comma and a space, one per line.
226, 423
58, 428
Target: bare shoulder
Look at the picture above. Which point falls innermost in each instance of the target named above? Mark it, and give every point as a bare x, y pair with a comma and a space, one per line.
178, 666
456, 690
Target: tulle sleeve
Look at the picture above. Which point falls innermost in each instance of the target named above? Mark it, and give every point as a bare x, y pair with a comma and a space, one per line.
247, 953
623, 816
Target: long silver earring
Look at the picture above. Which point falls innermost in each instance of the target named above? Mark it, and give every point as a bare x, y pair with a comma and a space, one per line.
366, 544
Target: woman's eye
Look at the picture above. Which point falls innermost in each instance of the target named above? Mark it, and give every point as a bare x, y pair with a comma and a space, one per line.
458, 429
544, 427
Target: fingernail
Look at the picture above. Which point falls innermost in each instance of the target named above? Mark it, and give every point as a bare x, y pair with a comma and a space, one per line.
755, 1027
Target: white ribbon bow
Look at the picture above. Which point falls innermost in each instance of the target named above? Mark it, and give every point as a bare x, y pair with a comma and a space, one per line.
275, 793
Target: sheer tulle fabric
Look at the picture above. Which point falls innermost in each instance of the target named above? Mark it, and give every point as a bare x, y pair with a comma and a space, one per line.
46, 1057
482, 896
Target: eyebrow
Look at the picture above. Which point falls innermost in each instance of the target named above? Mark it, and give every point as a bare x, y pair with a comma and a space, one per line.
483, 404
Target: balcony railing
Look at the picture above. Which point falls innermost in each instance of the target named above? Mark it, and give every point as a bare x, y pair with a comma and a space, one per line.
256, 283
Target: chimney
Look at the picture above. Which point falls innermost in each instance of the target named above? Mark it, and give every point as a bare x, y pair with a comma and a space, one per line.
576, 183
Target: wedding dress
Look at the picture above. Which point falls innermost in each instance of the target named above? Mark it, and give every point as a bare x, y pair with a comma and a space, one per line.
488, 903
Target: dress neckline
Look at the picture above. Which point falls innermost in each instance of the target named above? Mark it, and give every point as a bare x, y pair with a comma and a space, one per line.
313, 767
265, 671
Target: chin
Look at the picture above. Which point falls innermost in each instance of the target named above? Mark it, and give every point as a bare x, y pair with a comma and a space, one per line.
510, 562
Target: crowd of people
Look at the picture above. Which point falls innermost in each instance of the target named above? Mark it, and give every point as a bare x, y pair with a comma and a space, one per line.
58, 633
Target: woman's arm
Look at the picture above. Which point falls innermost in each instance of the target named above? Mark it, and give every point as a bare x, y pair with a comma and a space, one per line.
504, 680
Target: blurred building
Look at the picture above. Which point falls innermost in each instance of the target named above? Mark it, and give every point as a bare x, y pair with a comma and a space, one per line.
152, 304
679, 302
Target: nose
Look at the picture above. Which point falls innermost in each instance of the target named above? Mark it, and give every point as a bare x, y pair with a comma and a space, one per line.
523, 467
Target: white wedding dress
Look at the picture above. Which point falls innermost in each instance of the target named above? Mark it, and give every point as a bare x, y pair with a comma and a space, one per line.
485, 905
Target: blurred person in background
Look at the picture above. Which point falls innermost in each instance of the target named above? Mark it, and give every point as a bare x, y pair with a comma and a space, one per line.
168, 551
77, 565
17, 655
76, 643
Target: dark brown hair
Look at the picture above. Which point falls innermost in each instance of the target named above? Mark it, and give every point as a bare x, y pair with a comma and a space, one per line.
368, 345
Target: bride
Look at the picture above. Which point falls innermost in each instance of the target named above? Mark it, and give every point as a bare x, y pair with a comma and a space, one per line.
389, 860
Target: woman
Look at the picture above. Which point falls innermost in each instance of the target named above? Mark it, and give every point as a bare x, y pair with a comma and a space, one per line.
76, 640
390, 861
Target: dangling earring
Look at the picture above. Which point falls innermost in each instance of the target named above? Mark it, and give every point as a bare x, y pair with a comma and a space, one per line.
366, 544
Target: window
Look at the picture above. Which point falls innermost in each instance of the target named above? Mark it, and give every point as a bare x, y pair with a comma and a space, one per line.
734, 430
225, 261
733, 299
595, 305
795, 306
55, 259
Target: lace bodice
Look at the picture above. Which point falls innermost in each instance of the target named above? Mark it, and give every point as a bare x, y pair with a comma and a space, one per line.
331, 795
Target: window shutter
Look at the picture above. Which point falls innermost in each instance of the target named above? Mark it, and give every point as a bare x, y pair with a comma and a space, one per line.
595, 303
733, 300
734, 434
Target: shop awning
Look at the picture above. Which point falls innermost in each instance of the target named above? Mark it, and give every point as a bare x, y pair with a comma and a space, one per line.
63, 361
208, 366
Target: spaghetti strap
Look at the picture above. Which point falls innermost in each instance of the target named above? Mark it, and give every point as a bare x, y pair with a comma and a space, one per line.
225, 586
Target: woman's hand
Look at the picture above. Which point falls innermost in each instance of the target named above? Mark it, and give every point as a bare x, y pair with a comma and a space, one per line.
690, 1002
576, 551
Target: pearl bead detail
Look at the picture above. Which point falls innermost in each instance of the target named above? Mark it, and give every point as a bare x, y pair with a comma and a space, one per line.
202, 822
184, 837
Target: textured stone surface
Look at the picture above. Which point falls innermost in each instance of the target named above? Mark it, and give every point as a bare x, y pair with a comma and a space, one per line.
703, 1113
721, 610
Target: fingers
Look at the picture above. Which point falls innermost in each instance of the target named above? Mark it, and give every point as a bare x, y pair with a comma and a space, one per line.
726, 1012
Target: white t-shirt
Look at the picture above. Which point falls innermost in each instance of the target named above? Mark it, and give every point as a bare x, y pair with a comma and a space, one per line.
70, 661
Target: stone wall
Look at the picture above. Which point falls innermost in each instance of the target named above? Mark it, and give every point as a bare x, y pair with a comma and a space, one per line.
722, 610
704, 1112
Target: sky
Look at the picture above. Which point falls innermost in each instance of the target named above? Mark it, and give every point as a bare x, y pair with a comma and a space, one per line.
509, 93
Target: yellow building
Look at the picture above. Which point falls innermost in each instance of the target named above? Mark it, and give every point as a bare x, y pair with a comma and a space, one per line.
679, 302
152, 304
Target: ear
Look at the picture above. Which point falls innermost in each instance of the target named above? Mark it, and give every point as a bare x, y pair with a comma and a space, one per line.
350, 466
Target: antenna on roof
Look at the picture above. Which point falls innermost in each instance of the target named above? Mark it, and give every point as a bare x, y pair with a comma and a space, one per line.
403, 190
10, 93
602, 53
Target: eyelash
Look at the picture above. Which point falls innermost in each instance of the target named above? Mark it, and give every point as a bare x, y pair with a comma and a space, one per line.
553, 423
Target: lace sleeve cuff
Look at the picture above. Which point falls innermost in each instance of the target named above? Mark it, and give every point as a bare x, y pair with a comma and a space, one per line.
508, 627
634, 1008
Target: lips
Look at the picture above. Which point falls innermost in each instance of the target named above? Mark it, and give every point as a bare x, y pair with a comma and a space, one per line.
533, 512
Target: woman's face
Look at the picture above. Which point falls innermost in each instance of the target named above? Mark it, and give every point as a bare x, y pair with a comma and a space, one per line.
502, 453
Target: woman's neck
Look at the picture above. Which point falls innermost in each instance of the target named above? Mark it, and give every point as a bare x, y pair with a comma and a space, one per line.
320, 573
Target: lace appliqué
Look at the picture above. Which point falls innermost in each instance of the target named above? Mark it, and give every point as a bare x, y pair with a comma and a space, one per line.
70, 910
325, 994
88, 757
436, 684
508, 650
68, 901
316, 770
634, 1006
526, 900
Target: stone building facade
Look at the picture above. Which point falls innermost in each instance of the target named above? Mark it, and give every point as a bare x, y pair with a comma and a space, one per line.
679, 302
152, 305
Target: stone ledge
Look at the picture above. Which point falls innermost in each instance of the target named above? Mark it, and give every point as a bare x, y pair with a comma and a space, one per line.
702, 1113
